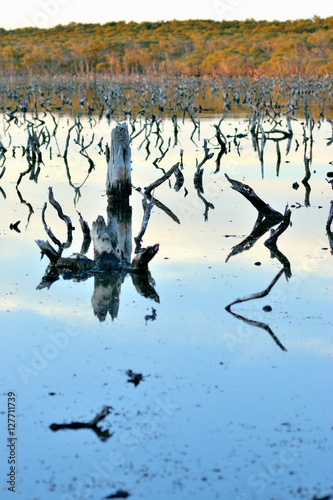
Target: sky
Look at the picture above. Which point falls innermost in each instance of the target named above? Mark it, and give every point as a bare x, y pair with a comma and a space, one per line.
48, 13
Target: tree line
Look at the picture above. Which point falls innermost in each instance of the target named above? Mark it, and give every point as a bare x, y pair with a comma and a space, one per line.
192, 48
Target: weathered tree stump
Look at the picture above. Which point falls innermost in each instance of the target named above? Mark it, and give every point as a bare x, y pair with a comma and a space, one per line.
118, 180
112, 241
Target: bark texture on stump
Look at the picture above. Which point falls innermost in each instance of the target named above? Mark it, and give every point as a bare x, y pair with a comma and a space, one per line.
118, 181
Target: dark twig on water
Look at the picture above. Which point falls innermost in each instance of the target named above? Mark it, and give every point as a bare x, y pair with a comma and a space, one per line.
144, 224
15, 226
103, 435
152, 316
63, 217
262, 207
134, 378
271, 242
160, 181
259, 324
258, 295
119, 494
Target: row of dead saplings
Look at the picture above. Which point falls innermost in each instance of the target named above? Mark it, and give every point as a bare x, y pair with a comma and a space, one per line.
154, 100
153, 95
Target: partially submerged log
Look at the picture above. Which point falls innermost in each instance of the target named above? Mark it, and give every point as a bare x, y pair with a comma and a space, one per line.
254, 296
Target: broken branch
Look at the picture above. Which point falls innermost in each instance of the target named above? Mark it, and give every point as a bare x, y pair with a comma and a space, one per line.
257, 202
145, 220
258, 295
160, 181
63, 217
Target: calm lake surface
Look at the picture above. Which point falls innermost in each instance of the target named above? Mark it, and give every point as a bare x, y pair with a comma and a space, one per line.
223, 410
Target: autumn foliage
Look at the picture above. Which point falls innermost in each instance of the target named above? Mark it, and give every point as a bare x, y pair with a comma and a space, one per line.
195, 47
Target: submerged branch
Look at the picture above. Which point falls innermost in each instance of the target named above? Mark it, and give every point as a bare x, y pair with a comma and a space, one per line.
259, 324
258, 295
86, 234
48, 229
48, 250
166, 210
145, 285
144, 224
271, 242
103, 435
63, 217
143, 257
160, 181
262, 207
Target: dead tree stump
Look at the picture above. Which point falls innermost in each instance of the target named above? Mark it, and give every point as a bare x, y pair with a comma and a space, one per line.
118, 181
112, 240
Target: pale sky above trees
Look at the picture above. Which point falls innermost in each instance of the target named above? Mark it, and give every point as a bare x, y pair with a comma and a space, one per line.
47, 13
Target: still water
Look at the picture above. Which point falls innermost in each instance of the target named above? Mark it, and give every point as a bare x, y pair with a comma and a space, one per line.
222, 411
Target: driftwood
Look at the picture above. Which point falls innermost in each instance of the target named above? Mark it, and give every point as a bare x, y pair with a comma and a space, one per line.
199, 169
305, 181
223, 147
198, 180
162, 179
258, 295
266, 219
86, 235
262, 207
102, 434
112, 240
179, 176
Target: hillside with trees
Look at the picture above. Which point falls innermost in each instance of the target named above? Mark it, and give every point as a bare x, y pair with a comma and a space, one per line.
194, 47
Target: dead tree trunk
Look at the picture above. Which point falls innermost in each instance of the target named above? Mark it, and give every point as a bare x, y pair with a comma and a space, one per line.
112, 241
118, 181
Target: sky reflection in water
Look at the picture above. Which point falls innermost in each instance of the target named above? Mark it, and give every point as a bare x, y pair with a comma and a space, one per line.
223, 411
